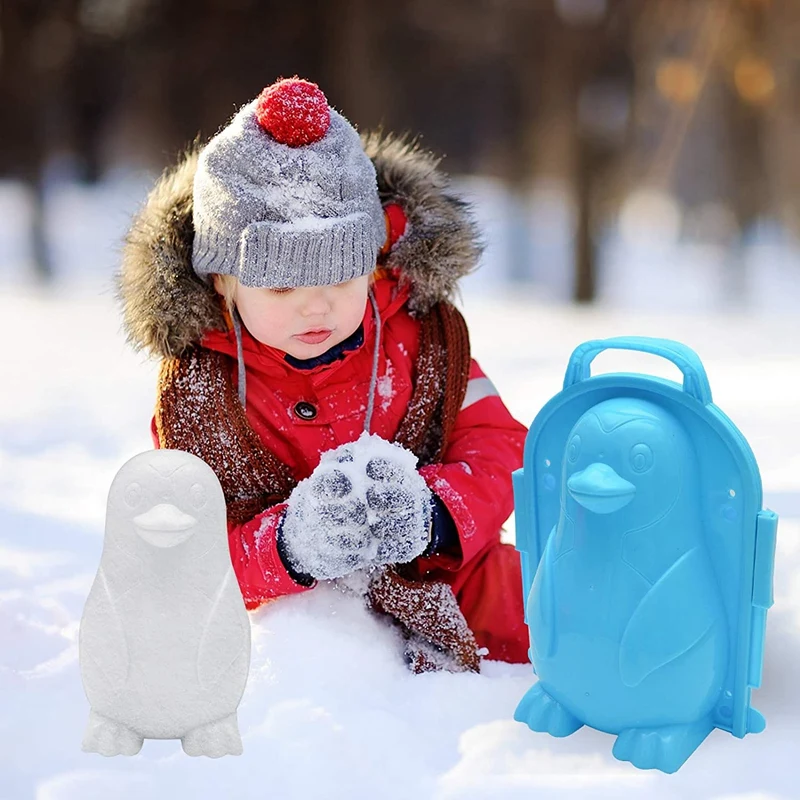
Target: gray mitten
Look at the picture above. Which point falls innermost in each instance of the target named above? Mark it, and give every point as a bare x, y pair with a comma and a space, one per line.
324, 533
365, 505
398, 506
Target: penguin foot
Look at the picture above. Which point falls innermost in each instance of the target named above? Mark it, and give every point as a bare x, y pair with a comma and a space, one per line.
220, 738
540, 712
665, 748
110, 738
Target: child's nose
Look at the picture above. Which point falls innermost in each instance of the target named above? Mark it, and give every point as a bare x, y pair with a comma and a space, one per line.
316, 302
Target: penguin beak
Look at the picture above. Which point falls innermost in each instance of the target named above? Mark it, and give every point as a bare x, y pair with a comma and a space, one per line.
164, 525
598, 488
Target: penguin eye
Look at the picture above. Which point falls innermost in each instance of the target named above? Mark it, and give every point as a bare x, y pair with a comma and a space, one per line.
574, 449
641, 458
133, 495
197, 494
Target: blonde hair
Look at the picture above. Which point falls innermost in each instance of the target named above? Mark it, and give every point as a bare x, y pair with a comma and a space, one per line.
226, 286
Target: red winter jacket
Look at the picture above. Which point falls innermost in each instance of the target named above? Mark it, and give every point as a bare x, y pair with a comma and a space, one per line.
473, 481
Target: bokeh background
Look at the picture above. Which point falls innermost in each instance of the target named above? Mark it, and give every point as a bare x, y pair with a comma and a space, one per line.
633, 165
636, 151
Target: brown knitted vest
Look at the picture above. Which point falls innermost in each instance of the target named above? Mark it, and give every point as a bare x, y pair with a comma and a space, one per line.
198, 411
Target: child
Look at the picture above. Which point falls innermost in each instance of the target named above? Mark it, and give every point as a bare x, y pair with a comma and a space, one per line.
296, 281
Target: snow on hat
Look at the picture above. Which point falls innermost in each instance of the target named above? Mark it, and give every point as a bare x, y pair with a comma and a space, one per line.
285, 195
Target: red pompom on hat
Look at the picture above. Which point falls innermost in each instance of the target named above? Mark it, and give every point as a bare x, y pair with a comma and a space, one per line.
294, 112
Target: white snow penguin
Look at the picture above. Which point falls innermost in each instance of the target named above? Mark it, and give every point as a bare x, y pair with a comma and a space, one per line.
165, 637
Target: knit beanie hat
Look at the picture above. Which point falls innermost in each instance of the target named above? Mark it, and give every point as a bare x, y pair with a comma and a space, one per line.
285, 196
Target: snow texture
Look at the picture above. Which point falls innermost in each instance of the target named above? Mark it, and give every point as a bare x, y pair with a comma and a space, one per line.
364, 506
385, 387
165, 638
330, 709
280, 183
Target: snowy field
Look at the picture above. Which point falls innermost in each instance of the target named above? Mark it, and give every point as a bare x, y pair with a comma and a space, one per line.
330, 711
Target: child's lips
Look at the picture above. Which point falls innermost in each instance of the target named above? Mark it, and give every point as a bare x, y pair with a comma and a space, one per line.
314, 336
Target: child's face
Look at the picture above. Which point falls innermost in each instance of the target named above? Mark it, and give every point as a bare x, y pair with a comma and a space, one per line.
279, 317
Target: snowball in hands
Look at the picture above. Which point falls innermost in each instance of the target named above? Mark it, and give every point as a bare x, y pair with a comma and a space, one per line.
399, 506
164, 641
364, 505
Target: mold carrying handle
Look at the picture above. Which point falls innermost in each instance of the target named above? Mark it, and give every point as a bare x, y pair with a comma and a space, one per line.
695, 380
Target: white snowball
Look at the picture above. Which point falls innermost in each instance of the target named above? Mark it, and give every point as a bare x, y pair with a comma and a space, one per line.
362, 520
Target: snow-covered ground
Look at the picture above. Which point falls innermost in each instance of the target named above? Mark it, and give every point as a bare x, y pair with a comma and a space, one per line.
330, 711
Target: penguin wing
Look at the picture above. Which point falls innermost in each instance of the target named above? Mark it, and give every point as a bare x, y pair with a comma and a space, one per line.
542, 604
674, 615
225, 636
102, 644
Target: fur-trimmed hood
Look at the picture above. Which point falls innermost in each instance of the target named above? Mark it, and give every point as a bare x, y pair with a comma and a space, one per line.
167, 307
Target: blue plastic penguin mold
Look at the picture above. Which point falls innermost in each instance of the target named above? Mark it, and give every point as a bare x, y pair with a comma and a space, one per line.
646, 560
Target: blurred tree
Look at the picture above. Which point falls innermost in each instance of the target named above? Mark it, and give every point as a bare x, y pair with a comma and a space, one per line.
57, 86
37, 44
697, 97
